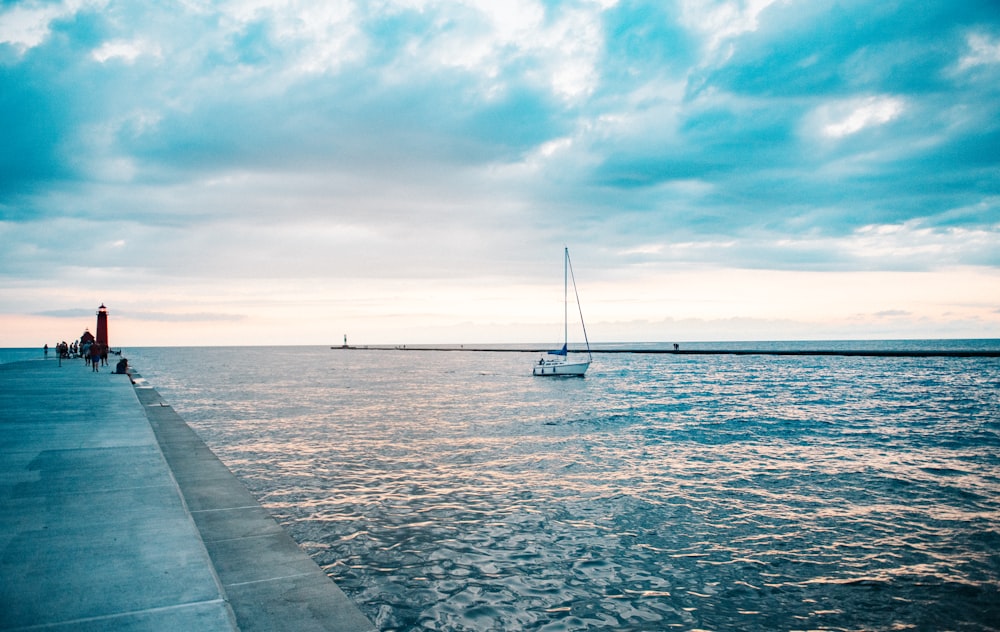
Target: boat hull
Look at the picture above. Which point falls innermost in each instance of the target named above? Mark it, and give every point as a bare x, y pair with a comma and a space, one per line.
561, 369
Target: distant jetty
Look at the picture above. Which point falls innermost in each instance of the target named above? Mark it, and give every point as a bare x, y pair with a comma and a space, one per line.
864, 353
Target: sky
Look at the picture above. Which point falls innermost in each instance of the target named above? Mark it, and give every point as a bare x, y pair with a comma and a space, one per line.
409, 171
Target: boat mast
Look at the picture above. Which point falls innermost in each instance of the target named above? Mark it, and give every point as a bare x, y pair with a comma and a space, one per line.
566, 298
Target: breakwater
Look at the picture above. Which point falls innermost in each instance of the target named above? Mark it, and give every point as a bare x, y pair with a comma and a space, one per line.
870, 353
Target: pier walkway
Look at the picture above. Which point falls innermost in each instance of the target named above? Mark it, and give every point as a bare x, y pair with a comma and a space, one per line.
115, 515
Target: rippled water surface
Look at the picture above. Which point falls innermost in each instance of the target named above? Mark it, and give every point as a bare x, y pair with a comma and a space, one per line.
454, 491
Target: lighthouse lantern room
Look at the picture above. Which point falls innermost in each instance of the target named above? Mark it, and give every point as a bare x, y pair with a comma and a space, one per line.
102, 326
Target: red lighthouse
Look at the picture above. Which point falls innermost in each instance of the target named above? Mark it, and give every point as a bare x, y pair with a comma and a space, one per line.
102, 326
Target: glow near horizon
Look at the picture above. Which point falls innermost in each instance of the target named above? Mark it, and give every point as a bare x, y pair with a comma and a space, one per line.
275, 173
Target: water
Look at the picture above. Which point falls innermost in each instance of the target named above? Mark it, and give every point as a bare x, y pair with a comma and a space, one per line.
21, 354
453, 491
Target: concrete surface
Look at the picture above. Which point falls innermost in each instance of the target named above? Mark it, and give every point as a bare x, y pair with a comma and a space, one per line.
115, 515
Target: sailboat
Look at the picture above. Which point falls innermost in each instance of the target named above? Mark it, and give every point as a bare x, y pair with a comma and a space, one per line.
560, 363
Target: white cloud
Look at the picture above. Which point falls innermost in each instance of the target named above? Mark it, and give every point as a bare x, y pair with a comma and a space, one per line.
486, 37
317, 37
26, 25
847, 117
643, 249
909, 245
721, 20
913, 245
328, 34
127, 51
578, 40
982, 51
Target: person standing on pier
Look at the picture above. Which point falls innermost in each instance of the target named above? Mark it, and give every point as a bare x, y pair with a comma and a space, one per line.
95, 357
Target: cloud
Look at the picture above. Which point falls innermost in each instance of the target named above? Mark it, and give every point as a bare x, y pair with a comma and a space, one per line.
28, 24
167, 317
844, 119
74, 313
199, 317
892, 313
983, 50
126, 51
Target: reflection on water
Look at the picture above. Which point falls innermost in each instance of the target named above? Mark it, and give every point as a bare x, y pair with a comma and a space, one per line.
453, 491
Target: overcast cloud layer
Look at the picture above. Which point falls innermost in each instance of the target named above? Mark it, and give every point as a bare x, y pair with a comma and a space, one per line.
236, 164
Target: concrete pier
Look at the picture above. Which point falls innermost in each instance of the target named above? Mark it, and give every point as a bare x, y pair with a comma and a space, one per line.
115, 515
